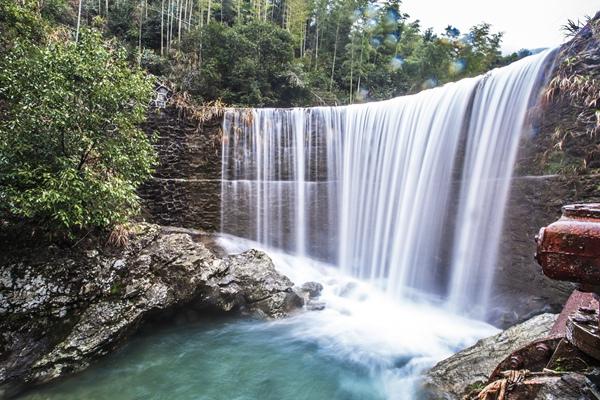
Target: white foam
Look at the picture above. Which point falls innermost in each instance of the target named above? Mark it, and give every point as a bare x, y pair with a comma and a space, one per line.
396, 340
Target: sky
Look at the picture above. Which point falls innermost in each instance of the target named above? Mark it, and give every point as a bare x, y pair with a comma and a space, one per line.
527, 24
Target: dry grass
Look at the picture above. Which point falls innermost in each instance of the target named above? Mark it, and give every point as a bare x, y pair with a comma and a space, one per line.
570, 108
119, 236
576, 79
203, 113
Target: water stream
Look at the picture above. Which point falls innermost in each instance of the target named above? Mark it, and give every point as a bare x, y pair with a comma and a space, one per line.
362, 346
408, 193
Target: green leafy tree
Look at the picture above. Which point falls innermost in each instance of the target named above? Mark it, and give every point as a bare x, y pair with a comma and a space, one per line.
289, 52
71, 152
248, 64
19, 23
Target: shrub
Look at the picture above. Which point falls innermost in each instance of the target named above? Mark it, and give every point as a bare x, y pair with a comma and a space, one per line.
71, 151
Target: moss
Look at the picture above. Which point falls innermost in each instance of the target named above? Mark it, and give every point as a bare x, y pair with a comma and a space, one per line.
116, 289
559, 162
473, 389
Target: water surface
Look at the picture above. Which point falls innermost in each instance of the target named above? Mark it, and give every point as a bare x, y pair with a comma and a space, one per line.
364, 345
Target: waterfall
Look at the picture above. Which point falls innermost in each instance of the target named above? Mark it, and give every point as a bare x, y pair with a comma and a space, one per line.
407, 193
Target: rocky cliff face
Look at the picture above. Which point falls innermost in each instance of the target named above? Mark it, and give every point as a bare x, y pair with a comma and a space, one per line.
464, 376
61, 309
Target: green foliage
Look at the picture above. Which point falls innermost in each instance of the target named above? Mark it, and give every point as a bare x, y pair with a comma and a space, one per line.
71, 152
295, 52
18, 23
57, 11
241, 64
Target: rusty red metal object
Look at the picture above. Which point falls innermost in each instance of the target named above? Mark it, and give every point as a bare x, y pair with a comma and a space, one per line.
576, 301
569, 249
533, 357
583, 332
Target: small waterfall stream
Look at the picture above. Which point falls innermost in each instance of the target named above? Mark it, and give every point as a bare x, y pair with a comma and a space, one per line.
407, 193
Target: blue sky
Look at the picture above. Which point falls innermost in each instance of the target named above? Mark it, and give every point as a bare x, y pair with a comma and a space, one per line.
525, 23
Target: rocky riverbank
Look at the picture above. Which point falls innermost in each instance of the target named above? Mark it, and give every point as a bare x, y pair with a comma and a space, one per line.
466, 374
455, 376
60, 309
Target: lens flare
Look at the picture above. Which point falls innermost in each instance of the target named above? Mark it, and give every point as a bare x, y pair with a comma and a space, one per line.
457, 67
396, 63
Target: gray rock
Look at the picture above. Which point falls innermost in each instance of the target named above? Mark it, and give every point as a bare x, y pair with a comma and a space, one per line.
61, 311
312, 305
313, 289
452, 378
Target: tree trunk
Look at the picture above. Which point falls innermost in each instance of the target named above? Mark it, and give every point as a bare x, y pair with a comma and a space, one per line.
208, 12
316, 41
170, 26
351, 67
360, 65
335, 44
140, 32
78, 22
180, 10
201, 7
162, 27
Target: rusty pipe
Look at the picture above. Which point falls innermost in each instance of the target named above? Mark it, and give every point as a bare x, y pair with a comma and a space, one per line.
569, 249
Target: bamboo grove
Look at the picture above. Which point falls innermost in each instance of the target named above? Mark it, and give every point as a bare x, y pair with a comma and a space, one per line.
289, 52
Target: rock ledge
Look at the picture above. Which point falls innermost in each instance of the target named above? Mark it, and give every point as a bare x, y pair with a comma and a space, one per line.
62, 309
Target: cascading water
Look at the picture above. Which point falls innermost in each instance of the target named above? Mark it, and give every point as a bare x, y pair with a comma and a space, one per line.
407, 193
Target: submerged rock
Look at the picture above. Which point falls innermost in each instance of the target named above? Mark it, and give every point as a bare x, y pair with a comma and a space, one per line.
457, 375
62, 309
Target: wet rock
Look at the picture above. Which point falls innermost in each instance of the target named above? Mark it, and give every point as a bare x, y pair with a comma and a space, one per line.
457, 375
313, 289
312, 305
60, 311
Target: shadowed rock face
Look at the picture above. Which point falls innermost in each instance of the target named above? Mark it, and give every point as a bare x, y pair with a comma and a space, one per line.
61, 309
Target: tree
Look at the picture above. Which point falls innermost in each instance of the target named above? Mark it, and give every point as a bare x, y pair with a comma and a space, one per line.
19, 23
249, 64
331, 51
71, 152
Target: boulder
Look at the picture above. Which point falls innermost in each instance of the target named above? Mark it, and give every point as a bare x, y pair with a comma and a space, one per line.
457, 375
60, 309
312, 289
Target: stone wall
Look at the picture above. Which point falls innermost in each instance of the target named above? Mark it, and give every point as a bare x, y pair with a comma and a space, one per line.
186, 187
